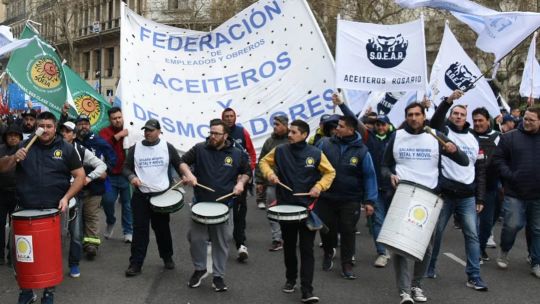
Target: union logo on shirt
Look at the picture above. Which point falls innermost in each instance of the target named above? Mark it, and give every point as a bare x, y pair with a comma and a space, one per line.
228, 161
57, 154
353, 161
310, 162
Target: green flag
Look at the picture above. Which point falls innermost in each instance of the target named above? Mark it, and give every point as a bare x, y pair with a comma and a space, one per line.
86, 99
36, 68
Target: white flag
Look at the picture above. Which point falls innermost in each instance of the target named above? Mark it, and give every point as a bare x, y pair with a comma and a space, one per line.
452, 70
5, 35
17, 44
499, 33
462, 6
530, 81
376, 57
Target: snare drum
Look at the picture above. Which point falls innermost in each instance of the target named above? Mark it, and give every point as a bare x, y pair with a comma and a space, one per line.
210, 213
287, 213
168, 202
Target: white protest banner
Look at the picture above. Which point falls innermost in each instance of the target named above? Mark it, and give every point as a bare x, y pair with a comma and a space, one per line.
500, 33
375, 57
269, 59
356, 100
462, 6
452, 70
530, 81
5, 35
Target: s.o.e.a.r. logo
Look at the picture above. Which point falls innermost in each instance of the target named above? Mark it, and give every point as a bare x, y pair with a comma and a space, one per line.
45, 73
387, 52
458, 77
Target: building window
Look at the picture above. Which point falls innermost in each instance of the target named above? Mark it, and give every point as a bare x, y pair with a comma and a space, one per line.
110, 62
86, 64
178, 4
97, 62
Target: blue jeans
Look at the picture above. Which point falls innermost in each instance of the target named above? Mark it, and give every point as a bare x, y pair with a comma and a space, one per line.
465, 208
119, 186
486, 218
381, 208
76, 234
517, 213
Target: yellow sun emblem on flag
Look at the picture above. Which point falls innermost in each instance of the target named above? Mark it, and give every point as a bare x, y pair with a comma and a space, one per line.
88, 106
45, 73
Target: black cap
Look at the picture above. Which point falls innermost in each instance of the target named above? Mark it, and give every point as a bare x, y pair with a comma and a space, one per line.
152, 124
82, 117
383, 119
13, 129
324, 117
29, 112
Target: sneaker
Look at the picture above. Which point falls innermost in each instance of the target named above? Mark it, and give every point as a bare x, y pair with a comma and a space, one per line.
289, 287
491, 242
308, 297
74, 271
109, 231
535, 270
261, 205
418, 294
169, 263
406, 298
484, 256
27, 296
477, 284
91, 252
381, 261
128, 238
430, 273
502, 260
48, 298
327, 262
276, 246
133, 270
219, 284
242, 254
196, 278
347, 272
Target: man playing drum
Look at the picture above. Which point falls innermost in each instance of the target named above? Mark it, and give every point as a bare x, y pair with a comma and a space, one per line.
43, 179
305, 169
402, 162
224, 169
147, 169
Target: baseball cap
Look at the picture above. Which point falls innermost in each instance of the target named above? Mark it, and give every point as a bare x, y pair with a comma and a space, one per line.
29, 112
507, 118
383, 119
151, 124
324, 117
82, 117
69, 125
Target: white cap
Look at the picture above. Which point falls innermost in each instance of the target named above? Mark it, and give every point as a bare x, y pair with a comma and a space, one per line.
70, 125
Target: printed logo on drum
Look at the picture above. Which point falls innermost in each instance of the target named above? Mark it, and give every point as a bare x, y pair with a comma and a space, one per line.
418, 215
387, 52
24, 249
57, 154
310, 162
458, 77
228, 161
353, 161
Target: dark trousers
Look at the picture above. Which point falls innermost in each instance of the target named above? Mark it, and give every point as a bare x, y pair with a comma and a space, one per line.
7, 205
340, 217
143, 217
239, 218
291, 232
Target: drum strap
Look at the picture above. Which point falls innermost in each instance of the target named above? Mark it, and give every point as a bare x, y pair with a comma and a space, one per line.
312, 205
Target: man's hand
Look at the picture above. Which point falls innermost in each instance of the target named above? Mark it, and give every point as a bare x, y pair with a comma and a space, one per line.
62, 206
479, 208
190, 180
136, 182
20, 154
450, 147
314, 192
238, 188
273, 179
336, 100
87, 180
457, 94
121, 134
394, 179
65, 108
369, 209
259, 188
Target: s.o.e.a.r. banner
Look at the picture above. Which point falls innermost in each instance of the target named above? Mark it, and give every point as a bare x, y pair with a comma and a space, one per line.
375, 57
269, 59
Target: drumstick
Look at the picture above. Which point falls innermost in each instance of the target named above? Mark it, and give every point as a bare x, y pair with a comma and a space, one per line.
301, 194
285, 186
225, 196
430, 131
205, 187
38, 133
174, 186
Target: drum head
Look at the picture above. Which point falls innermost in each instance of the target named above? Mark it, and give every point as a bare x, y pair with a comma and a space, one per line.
167, 199
34, 213
287, 209
210, 209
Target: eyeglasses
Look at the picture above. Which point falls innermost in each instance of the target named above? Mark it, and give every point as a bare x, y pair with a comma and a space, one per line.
211, 133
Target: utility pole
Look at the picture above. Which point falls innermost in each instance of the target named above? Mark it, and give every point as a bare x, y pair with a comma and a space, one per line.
96, 28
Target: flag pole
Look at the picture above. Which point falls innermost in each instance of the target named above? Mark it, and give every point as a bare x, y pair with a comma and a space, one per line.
531, 99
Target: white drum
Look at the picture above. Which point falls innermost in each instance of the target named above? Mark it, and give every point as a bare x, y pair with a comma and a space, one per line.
287, 213
210, 213
168, 202
411, 220
72, 203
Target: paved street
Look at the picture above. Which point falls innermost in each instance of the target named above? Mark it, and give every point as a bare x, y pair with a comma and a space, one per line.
260, 280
